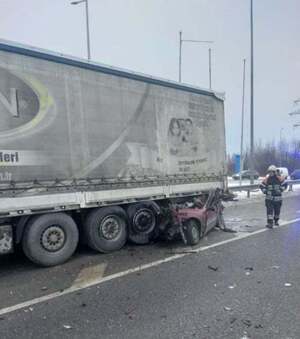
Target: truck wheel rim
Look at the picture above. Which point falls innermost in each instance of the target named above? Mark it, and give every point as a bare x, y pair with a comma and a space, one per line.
53, 238
110, 228
144, 221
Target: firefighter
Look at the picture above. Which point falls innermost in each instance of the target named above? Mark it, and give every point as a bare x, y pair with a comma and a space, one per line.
272, 186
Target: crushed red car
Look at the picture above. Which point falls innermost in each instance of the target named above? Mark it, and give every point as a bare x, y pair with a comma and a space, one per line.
193, 219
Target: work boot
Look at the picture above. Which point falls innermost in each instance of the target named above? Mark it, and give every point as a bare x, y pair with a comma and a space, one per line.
276, 222
270, 224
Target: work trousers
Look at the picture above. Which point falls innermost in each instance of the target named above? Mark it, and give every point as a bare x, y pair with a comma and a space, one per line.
273, 210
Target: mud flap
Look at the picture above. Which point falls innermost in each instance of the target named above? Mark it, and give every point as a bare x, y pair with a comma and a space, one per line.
6, 239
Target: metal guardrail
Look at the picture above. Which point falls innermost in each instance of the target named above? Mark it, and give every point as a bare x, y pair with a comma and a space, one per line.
251, 187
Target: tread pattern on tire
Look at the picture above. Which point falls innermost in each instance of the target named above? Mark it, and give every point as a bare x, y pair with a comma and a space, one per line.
188, 233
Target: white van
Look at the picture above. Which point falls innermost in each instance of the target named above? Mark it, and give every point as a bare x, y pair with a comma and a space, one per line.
284, 172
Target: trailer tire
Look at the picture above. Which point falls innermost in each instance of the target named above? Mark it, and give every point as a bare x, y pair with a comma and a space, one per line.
142, 222
192, 230
106, 229
50, 239
142, 218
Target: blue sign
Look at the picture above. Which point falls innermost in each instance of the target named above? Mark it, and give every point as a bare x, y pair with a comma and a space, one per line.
237, 159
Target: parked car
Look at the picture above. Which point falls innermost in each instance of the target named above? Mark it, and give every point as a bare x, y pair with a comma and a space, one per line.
295, 174
283, 171
246, 174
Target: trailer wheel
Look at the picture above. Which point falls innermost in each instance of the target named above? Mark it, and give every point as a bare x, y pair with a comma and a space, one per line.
192, 232
142, 218
50, 239
106, 229
142, 222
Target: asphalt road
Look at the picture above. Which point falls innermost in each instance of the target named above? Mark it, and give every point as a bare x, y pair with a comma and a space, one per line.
138, 293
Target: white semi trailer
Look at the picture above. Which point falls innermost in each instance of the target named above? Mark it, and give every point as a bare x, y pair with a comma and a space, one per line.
92, 151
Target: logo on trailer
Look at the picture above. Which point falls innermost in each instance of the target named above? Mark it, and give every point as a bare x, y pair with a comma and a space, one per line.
19, 103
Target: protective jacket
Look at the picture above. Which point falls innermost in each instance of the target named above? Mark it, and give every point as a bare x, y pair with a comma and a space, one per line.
273, 186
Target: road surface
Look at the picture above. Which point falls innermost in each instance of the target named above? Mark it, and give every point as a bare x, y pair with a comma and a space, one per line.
242, 285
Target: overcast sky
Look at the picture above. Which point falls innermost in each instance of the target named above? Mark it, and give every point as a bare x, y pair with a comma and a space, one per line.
142, 35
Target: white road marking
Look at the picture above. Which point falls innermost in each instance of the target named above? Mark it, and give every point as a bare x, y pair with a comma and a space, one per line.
100, 280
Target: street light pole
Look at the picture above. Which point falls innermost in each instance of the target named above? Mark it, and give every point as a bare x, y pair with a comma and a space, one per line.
181, 41
180, 51
242, 123
87, 24
280, 145
209, 66
251, 97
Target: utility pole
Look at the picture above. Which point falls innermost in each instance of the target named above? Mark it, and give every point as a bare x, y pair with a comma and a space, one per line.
251, 97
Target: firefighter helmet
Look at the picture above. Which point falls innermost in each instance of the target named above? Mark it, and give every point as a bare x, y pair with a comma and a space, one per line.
272, 168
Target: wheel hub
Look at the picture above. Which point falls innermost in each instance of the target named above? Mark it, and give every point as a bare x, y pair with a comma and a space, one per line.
110, 228
53, 238
144, 221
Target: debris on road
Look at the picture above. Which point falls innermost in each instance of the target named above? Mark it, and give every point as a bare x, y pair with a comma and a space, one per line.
287, 284
249, 268
247, 322
67, 327
232, 320
275, 267
247, 273
213, 268
129, 311
226, 308
229, 230
30, 309
258, 326
232, 286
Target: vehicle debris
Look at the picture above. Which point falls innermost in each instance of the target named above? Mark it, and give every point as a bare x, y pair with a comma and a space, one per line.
258, 326
233, 320
249, 268
247, 322
213, 268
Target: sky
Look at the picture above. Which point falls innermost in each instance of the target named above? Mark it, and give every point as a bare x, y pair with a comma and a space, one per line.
143, 36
